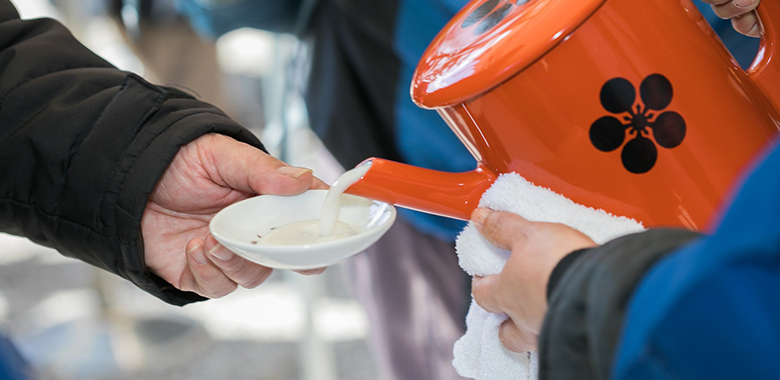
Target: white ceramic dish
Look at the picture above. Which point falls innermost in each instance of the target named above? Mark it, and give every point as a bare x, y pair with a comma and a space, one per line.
238, 226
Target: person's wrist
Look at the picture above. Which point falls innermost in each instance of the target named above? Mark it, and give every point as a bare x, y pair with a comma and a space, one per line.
561, 268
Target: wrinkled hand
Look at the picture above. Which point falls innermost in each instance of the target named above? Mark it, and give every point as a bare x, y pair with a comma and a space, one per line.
741, 12
520, 290
207, 175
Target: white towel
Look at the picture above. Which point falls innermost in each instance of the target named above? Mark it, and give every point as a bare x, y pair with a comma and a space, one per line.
479, 354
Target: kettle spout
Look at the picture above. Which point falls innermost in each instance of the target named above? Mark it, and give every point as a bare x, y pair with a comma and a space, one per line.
454, 195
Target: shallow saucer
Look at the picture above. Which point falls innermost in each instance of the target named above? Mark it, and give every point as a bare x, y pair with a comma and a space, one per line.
241, 226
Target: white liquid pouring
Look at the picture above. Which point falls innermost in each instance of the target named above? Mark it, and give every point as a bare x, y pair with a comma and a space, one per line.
327, 228
330, 208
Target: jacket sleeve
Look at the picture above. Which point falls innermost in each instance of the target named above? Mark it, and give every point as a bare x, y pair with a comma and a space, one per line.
712, 310
588, 295
82, 145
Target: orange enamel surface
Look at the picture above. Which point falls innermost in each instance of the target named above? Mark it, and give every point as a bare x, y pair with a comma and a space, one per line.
462, 63
540, 121
454, 195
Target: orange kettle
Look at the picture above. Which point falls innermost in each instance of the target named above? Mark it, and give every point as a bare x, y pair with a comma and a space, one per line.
633, 107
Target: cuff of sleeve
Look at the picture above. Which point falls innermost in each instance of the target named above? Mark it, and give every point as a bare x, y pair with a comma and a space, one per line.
561, 268
130, 148
585, 315
146, 162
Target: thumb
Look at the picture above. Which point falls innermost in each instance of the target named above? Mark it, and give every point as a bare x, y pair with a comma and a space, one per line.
502, 229
516, 339
246, 168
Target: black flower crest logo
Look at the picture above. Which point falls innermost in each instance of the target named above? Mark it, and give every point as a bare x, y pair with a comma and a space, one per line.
489, 14
668, 128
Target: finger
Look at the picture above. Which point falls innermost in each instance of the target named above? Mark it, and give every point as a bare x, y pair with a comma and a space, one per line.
239, 270
515, 339
747, 24
246, 168
202, 276
311, 272
734, 8
502, 229
485, 293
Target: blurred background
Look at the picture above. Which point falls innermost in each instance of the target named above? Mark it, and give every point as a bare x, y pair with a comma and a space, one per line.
72, 321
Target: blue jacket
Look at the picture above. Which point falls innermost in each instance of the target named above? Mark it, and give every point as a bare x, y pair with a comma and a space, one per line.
12, 365
712, 310
672, 304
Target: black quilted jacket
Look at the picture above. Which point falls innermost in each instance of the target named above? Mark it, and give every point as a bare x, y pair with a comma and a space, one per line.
82, 145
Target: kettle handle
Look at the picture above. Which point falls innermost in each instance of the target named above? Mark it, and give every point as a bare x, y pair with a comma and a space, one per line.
765, 70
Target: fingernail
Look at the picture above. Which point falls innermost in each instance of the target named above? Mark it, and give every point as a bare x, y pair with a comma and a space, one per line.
479, 215
312, 272
197, 254
221, 253
754, 31
744, 3
292, 171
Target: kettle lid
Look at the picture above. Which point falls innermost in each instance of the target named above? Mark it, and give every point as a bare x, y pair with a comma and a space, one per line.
488, 42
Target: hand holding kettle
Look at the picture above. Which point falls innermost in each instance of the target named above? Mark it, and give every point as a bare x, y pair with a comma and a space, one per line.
520, 289
741, 13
